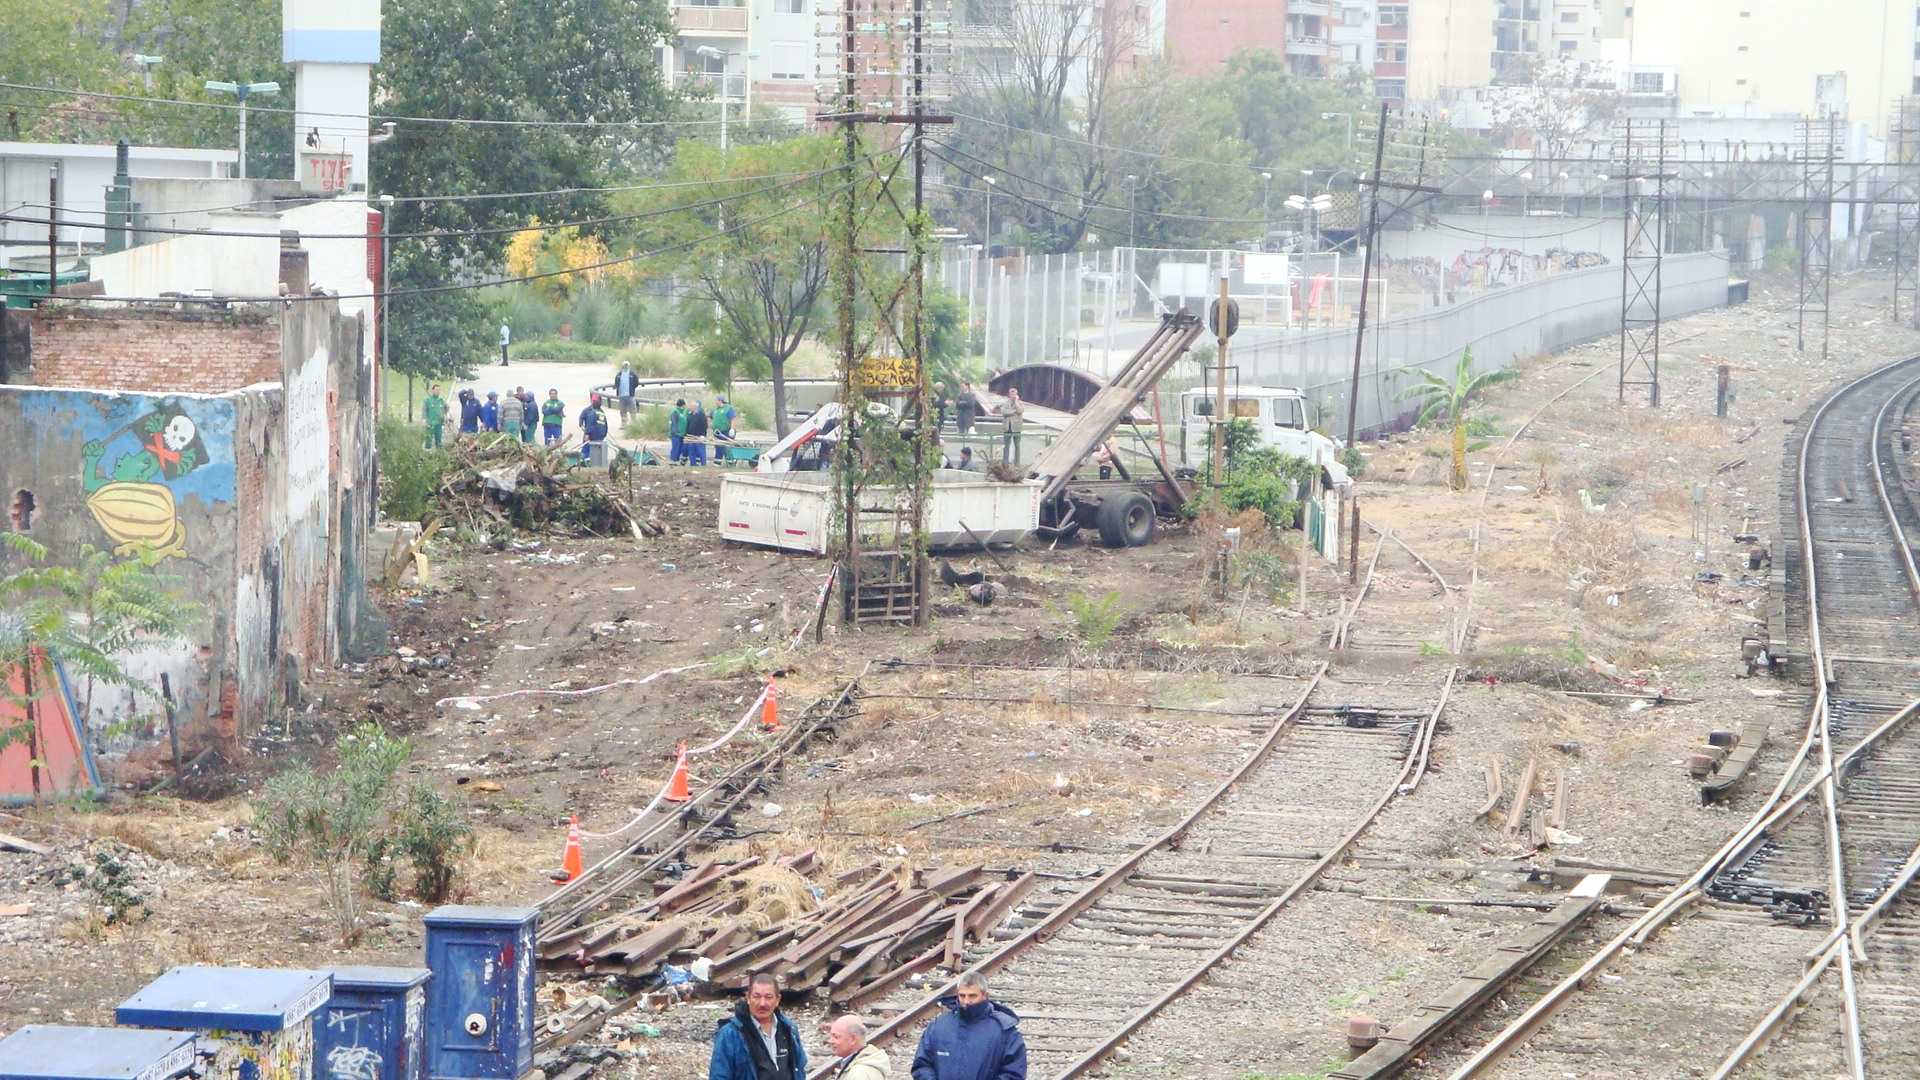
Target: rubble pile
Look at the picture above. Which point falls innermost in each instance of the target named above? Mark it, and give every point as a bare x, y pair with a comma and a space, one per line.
501, 484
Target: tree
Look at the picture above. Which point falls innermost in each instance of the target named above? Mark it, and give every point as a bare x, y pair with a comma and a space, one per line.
223, 40
761, 259
86, 617
575, 61
57, 43
1449, 399
1552, 103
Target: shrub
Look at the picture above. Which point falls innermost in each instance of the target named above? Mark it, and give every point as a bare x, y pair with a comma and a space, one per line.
563, 351
1353, 461
1095, 619
649, 422
434, 838
409, 472
650, 361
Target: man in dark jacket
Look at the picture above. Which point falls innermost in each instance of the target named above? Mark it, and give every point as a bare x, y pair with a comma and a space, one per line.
469, 413
529, 408
695, 439
758, 1042
977, 1039
593, 428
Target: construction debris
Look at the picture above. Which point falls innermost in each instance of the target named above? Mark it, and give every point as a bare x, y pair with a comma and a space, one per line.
538, 489
854, 935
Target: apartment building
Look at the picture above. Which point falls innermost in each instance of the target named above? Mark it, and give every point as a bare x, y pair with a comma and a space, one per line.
997, 40
747, 52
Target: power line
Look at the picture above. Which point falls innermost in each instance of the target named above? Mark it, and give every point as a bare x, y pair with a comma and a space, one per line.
381, 117
495, 283
1151, 154
504, 230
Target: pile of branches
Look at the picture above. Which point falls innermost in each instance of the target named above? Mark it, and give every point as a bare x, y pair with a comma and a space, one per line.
496, 483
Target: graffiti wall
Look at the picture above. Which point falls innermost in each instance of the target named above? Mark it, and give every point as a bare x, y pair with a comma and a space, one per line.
118, 472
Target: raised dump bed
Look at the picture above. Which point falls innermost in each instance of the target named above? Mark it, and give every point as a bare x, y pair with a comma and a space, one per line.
794, 511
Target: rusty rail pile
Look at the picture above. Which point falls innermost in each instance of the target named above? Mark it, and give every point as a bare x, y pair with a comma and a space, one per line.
880, 923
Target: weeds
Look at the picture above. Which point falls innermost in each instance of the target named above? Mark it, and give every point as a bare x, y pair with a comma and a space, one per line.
434, 838
1095, 619
410, 473
111, 882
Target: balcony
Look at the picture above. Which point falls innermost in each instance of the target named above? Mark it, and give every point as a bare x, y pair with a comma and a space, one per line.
1308, 46
1310, 7
700, 20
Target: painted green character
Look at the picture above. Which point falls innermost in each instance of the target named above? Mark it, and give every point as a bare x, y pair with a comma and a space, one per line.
130, 498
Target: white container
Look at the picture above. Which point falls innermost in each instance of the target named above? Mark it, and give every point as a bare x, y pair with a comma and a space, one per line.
794, 511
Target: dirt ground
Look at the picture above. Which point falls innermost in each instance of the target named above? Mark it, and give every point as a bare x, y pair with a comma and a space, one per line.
954, 763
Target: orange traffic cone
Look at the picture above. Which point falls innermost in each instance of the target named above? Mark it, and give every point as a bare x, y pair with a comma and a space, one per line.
770, 710
677, 790
571, 862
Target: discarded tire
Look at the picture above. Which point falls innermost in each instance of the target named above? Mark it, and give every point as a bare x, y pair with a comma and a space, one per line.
1127, 520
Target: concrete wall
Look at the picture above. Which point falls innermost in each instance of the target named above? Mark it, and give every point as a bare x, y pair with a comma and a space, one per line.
86, 172
1502, 327
260, 498
154, 351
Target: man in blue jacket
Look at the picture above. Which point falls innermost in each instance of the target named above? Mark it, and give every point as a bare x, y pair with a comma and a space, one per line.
758, 1042
469, 413
977, 1039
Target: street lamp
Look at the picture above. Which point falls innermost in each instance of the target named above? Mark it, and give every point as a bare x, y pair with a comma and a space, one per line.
146, 64
243, 91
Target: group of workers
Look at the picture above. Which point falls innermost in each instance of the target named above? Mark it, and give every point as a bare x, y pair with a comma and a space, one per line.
977, 1038
690, 429
966, 406
513, 415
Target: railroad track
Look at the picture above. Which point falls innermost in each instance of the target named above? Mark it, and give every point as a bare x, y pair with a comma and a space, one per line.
1810, 887
1089, 967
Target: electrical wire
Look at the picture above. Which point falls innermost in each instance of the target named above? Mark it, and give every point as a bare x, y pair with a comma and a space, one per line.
383, 117
1150, 154
469, 286
1079, 200
500, 230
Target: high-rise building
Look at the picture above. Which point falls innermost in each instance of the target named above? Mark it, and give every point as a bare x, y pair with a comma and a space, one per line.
744, 52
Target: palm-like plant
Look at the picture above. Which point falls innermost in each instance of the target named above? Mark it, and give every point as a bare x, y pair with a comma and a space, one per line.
1449, 399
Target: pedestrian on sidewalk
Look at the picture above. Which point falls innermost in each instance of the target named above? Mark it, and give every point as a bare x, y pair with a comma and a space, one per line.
490, 412
512, 410
529, 410
553, 413
677, 432
469, 413
976, 1039
758, 1041
847, 1038
696, 438
1014, 414
434, 411
625, 385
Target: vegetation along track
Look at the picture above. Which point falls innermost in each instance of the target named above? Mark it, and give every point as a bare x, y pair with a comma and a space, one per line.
1843, 820
1088, 968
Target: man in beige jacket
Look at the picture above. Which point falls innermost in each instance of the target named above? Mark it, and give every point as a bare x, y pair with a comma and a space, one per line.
847, 1038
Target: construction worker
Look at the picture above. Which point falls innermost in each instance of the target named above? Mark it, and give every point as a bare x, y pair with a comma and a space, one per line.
965, 407
530, 408
593, 428
1014, 415
469, 413
724, 414
434, 411
512, 411
847, 1038
758, 1041
976, 1039
696, 436
490, 412
677, 432
553, 413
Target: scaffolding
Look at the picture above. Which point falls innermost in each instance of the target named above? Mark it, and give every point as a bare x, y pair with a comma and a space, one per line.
1642, 149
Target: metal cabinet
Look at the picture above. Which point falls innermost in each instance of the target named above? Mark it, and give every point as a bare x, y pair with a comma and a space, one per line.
257, 1022
56, 1052
480, 1000
374, 1025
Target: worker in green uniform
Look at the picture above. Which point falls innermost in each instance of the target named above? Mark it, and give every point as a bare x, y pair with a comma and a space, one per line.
434, 411
677, 432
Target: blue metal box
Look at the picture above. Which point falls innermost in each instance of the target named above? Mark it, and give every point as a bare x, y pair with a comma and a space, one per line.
373, 1028
55, 1052
259, 1020
480, 1002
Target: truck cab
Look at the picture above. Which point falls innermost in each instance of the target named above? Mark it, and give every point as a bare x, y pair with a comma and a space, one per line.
1282, 415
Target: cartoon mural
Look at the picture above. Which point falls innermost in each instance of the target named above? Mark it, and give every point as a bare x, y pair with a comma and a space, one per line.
135, 472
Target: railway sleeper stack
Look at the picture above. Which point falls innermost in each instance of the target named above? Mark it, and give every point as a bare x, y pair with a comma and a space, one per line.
875, 926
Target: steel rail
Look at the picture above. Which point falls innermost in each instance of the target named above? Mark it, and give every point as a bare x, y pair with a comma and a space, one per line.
1770, 812
1403, 783
1339, 636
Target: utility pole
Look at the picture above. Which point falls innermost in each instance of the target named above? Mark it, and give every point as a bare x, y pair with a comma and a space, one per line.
1366, 273
1222, 329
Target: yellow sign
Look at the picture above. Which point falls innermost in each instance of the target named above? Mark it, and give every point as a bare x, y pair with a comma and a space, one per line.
887, 373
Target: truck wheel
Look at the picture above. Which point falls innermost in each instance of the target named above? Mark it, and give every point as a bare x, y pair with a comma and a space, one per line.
1127, 520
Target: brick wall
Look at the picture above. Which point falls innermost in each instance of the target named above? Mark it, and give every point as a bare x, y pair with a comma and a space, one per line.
205, 352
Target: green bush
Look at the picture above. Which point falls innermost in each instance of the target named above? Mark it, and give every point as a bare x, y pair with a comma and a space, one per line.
434, 838
651, 362
409, 472
563, 350
1095, 618
614, 314
649, 422
1353, 461
329, 824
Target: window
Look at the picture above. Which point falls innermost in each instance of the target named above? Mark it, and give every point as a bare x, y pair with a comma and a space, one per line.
1649, 82
791, 61
1390, 53
1742, 48
1569, 16
1569, 46
1739, 82
1393, 15
790, 7
1396, 89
